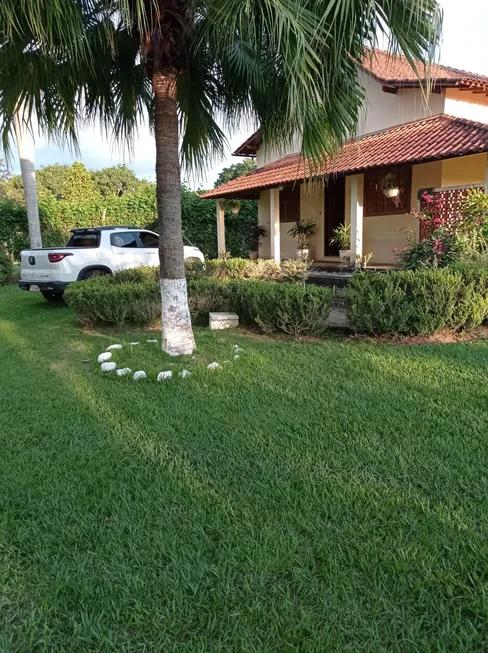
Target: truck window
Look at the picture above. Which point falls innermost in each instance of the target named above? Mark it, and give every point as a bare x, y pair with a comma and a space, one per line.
148, 239
124, 239
84, 240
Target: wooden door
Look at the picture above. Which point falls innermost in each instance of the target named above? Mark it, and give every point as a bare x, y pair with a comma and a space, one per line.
334, 211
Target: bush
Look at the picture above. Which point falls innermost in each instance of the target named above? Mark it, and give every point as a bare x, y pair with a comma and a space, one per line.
113, 300
133, 296
292, 271
293, 309
417, 303
6, 266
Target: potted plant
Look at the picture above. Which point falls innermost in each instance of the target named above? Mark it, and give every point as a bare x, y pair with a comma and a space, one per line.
303, 232
364, 260
232, 206
256, 235
389, 185
341, 236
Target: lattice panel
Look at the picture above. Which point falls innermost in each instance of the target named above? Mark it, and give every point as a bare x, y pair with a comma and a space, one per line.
446, 202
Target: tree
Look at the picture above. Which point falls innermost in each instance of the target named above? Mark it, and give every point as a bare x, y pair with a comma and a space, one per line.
53, 179
115, 181
79, 185
25, 147
235, 170
290, 65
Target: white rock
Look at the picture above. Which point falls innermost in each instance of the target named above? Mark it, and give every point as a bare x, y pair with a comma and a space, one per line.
139, 375
134, 343
123, 371
162, 376
184, 373
114, 347
151, 340
236, 356
108, 367
106, 356
213, 366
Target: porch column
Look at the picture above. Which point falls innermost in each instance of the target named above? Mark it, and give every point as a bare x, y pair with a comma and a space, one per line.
356, 218
274, 223
220, 228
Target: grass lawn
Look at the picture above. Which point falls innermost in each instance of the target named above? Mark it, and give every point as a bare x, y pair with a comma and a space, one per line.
308, 497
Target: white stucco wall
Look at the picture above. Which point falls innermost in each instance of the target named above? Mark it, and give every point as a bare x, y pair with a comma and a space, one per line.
384, 110
465, 104
287, 243
267, 154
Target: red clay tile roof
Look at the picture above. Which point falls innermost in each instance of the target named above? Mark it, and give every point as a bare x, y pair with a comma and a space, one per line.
431, 139
397, 71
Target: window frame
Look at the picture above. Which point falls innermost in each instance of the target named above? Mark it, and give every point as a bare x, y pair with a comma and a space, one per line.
290, 197
151, 233
389, 208
119, 233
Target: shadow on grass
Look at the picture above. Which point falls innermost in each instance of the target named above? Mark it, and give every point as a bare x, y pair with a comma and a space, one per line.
305, 500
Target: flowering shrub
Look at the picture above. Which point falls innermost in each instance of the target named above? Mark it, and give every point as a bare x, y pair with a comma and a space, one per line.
443, 244
440, 249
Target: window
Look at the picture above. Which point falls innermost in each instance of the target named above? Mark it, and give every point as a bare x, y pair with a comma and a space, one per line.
375, 201
290, 204
149, 240
84, 240
124, 239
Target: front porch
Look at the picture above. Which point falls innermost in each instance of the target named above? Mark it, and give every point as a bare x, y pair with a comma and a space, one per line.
350, 190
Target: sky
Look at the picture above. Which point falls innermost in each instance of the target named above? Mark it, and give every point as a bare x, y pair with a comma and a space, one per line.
463, 46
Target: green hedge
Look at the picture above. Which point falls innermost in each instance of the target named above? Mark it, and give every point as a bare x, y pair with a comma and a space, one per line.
58, 217
419, 302
6, 266
133, 297
292, 271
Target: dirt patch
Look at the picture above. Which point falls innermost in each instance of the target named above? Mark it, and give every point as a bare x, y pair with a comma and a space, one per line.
441, 338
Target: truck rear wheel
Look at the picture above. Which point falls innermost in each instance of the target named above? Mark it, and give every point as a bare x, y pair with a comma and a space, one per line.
52, 296
94, 272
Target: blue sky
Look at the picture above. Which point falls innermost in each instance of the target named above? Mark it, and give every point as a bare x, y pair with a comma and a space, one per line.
464, 46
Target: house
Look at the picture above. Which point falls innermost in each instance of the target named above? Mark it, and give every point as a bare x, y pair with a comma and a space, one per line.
436, 141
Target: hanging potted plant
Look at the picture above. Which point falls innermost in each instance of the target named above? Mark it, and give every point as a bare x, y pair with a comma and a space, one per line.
341, 237
389, 185
303, 232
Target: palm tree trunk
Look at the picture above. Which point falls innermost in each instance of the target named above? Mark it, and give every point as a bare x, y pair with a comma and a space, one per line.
25, 146
177, 334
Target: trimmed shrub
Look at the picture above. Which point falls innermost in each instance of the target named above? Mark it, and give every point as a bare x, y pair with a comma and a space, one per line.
133, 296
291, 271
293, 309
205, 295
6, 266
112, 301
417, 302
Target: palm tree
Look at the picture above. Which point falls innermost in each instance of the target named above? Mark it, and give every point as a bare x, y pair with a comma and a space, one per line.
288, 65
25, 148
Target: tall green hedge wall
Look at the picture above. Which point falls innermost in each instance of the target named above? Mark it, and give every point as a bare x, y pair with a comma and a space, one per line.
137, 209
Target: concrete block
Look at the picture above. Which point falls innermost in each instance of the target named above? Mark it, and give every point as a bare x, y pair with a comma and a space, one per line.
223, 320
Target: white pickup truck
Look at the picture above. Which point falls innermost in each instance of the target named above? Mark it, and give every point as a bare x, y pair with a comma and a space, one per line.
88, 253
